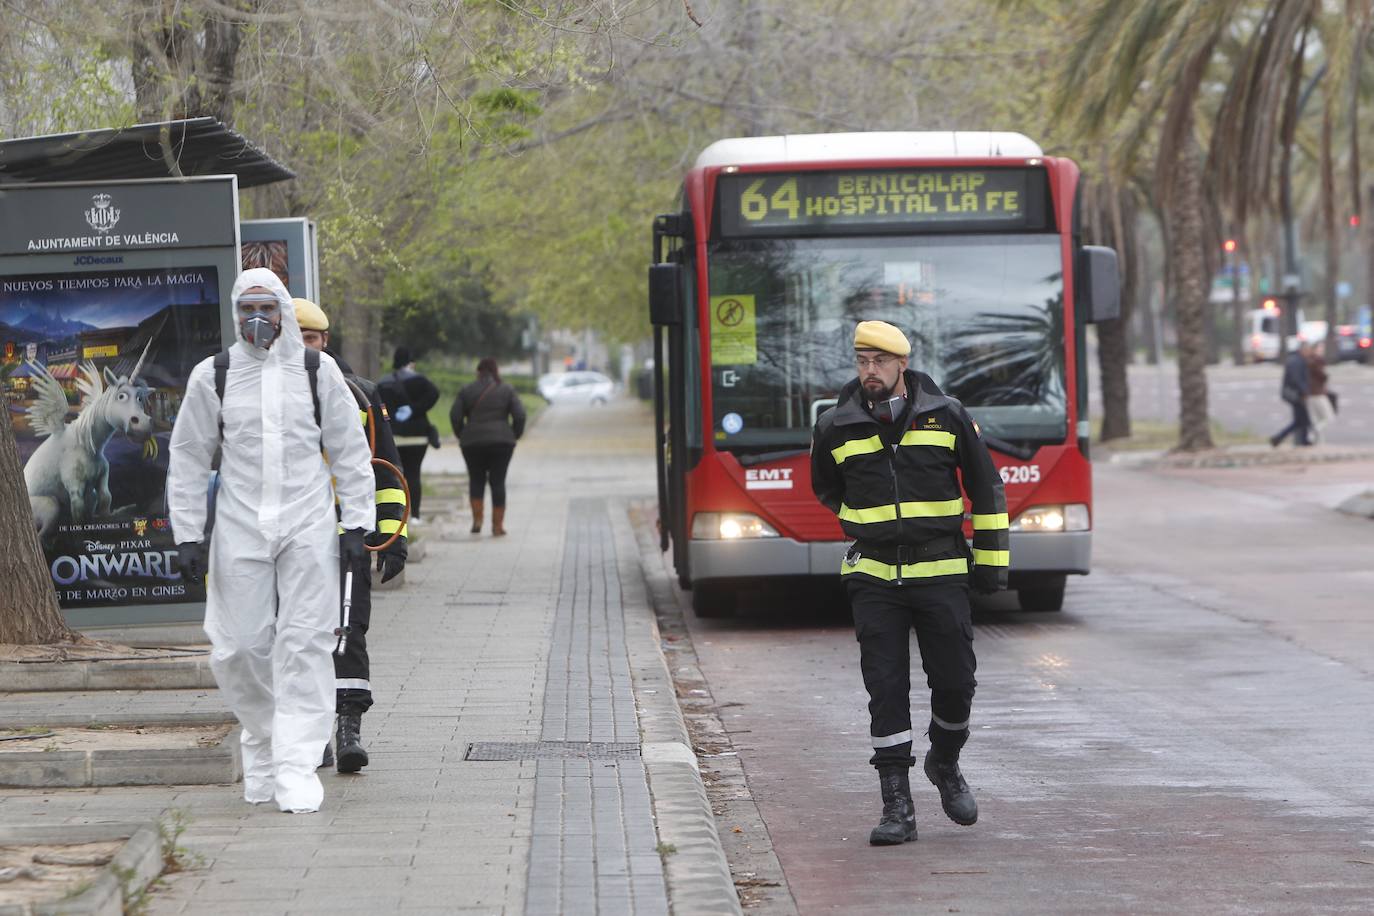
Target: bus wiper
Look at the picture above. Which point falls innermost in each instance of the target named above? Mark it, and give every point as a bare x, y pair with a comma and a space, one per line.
1024, 452
764, 457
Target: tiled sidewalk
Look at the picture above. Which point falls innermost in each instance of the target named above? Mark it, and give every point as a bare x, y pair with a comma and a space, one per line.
516, 646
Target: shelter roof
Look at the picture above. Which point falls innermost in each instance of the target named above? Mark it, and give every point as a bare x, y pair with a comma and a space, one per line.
200, 146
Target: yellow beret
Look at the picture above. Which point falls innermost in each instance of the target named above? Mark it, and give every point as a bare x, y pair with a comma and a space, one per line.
879, 335
310, 316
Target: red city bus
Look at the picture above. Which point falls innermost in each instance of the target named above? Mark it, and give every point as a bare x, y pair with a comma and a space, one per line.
969, 242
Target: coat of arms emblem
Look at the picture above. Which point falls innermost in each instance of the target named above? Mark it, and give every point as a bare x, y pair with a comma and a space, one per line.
102, 217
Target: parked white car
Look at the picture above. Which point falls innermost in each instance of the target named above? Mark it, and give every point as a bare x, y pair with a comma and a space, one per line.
576, 388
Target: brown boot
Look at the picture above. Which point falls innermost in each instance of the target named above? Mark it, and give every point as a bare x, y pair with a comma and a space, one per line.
476, 516
498, 521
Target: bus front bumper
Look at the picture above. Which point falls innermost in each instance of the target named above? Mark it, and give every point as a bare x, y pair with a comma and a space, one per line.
1065, 552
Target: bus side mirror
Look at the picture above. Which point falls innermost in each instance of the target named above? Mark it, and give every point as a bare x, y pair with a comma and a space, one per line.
1099, 290
665, 294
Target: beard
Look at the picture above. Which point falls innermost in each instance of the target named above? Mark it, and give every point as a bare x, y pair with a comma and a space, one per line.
875, 390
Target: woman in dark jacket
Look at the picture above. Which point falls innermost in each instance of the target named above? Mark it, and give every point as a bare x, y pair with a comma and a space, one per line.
487, 418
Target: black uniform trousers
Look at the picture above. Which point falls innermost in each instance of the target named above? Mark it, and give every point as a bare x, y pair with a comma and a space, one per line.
352, 669
883, 618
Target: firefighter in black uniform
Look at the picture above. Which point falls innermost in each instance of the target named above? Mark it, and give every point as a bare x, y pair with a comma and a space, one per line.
352, 684
887, 460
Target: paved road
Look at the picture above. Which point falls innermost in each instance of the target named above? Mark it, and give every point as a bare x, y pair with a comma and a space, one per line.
1245, 398
1190, 735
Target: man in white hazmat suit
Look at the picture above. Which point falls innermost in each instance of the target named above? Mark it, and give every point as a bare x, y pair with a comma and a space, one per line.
273, 560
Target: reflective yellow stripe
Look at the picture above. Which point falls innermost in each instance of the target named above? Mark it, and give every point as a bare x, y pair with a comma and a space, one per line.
924, 570
928, 437
391, 495
938, 509
991, 557
362, 415
390, 526
886, 513
990, 522
857, 447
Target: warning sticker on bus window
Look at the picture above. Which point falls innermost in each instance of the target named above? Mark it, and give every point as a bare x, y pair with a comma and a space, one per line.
734, 336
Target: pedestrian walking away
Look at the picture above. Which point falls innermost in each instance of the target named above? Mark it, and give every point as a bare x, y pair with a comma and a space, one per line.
488, 418
887, 460
1294, 389
1320, 410
273, 559
352, 667
408, 396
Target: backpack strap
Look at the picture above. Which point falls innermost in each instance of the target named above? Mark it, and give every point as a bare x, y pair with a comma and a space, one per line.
312, 369
221, 376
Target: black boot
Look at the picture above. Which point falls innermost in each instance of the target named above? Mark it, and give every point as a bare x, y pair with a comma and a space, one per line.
352, 755
942, 769
898, 825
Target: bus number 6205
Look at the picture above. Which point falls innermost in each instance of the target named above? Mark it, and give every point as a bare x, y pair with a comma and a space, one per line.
1021, 473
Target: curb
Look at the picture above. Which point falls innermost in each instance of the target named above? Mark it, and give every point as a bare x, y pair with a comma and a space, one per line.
156, 766
137, 863
698, 875
176, 673
1238, 457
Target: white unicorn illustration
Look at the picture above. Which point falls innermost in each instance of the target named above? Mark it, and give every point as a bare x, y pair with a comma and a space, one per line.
69, 469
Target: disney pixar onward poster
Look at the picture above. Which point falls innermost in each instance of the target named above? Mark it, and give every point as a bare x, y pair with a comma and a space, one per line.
94, 368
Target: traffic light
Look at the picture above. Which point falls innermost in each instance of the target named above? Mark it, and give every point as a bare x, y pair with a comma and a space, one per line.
1354, 221
1229, 246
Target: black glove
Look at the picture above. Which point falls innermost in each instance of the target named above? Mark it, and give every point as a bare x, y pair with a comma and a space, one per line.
352, 550
986, 580
192, 561
390, 563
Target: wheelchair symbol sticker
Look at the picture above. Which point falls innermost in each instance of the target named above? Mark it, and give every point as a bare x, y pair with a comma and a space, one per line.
732, 423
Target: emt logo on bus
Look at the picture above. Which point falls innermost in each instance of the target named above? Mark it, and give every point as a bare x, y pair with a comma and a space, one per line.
768, 478
798, 203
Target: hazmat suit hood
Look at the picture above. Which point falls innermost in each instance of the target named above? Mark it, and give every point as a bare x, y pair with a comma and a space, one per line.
289, 340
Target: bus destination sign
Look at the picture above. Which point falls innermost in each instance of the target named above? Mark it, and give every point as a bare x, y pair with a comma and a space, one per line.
886, 200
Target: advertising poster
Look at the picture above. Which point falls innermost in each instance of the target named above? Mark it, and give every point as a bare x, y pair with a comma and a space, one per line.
285, 247
94, 368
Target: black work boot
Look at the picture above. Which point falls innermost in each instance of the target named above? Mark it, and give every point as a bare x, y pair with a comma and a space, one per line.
942, 769
352, 755
328, 759
898, 825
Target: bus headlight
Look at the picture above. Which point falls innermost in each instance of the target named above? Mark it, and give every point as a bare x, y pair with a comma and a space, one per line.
1072, 517
730, 526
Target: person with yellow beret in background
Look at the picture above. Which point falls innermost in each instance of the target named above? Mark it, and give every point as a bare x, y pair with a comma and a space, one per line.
887, 460
352, 670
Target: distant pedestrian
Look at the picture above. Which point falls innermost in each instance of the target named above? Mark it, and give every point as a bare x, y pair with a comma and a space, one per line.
894, 460
1294, 389
1319, 409
408, 396
488, 418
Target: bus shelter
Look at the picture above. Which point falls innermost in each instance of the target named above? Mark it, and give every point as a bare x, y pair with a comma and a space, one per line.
118, 250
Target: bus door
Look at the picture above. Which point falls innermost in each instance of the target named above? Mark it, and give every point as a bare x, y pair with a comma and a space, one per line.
668, 312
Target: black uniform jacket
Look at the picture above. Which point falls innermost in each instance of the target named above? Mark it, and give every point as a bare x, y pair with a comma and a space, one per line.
391, 498
896, 487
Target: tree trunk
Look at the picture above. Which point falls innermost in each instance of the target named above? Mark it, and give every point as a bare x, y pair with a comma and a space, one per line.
1332, 233
1113, 354
1190, 272
29, 613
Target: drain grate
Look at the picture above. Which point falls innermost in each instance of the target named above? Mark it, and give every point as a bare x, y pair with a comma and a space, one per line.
551, 750
1020, 631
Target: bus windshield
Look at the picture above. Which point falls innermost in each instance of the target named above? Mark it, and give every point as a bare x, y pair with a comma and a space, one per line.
984, 315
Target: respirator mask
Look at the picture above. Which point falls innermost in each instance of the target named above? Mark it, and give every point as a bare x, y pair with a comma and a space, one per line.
256, 314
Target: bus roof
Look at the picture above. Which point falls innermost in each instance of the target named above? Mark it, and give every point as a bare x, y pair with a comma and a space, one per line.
877, 145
